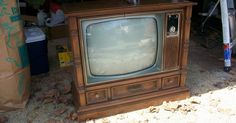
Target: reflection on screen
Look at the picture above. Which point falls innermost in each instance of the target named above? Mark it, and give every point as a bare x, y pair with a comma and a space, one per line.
121, 46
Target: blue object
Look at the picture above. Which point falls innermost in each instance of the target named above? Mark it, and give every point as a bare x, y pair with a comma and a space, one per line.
23, 56
227, 57
37, 50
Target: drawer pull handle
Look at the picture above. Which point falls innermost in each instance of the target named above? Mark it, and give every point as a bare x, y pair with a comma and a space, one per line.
171, 81
135, 88
97, 95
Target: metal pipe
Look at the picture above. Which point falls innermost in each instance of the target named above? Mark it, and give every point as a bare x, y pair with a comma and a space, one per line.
226, 35
232, 23
204, 22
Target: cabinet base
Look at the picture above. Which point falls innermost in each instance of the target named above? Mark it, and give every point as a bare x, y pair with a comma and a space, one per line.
129, 104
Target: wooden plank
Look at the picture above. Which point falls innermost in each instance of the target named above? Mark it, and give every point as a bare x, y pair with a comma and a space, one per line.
185, 44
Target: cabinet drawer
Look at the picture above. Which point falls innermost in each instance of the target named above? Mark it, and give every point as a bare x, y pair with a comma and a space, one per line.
135, 89
96, 96
170, 82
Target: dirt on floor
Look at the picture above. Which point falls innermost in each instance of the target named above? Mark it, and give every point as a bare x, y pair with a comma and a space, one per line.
212, 100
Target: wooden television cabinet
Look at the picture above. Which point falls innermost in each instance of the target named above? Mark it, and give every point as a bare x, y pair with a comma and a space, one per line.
127, 94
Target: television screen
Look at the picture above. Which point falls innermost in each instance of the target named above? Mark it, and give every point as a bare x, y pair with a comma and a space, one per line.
120, 46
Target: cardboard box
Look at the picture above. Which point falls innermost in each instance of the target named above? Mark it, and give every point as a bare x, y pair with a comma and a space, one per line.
65, 59
15, 90
13, 51
13, 54
29, 18
56, 32
10, 19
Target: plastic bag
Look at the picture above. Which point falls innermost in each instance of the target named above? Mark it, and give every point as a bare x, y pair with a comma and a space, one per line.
56, 18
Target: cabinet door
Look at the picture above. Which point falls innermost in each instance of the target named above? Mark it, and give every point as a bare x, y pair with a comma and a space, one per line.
172, 41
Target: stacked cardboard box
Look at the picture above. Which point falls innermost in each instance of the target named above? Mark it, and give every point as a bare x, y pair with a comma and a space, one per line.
59, 31
14, 65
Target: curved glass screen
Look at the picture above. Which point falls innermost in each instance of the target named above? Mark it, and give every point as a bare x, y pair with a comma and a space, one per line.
121, 46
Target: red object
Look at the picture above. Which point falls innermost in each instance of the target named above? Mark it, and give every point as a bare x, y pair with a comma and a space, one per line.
226, 46
54, 7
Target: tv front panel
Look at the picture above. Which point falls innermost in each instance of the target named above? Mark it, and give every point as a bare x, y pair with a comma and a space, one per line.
122, 47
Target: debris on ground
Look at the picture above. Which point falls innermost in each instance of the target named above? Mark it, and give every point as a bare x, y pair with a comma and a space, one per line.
195, 100
3, 119
214, 102
187, 108
171, 106
54, 121
59, 111
154, 109
221, 85
73, 116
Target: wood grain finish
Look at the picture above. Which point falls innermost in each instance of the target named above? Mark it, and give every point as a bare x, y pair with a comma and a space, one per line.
78, 75
135, 89
97, 96
172, 44
185, 43
127, 94
171, 50
95, 8
132, 103
170, 82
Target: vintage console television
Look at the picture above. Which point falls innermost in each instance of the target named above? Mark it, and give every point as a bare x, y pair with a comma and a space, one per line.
128, 57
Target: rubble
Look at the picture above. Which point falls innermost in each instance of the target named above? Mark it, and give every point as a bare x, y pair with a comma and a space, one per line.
72, 116
59, 111
186, 108
214, 102
195, 100
221, 85
153, 109
224, 110
105, 120
54, 121
171, 106
3, 119
67, 89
